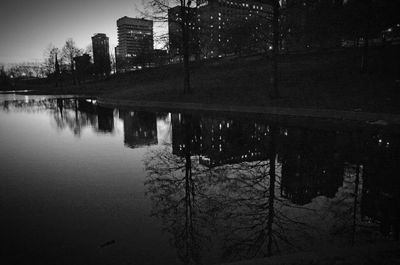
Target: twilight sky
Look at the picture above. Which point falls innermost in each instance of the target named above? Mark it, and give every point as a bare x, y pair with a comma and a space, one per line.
27, 27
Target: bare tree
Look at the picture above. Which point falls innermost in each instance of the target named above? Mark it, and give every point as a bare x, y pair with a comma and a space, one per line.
27, 70
159, 9
51, 55
69, 51
175, 185
89, 50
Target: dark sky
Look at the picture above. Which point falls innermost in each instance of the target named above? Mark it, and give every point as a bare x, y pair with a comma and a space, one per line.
27, 27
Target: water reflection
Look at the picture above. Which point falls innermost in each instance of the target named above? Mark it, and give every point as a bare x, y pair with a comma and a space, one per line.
140, 128
312, 164
262, 188
176, 192
229, 188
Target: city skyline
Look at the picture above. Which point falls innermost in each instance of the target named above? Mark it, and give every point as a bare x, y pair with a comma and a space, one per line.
27, 32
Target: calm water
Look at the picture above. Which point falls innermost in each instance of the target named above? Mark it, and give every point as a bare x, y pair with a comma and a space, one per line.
84, 184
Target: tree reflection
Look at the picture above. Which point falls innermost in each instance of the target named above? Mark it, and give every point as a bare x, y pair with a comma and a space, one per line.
175, 190
68, 113
270, 190
257, 219
236, 203
312, 164
76, 114
381, 185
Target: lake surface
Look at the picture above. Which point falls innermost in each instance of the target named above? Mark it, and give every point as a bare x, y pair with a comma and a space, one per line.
85, 184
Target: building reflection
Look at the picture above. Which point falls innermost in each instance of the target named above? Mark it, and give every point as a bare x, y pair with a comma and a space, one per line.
87, 112
381, 184
76, 114
311, 162
250, 183
311, 165
269, 202
140, 128
105, 118
220, 141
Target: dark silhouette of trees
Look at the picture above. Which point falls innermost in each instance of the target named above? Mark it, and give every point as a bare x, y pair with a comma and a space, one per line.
176, 187
51, 56
69, 52
159, 10
5, 82
27, 70
52, 64
256, 218
239, 199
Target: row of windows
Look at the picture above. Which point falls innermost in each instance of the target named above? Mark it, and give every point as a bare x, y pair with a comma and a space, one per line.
231, 4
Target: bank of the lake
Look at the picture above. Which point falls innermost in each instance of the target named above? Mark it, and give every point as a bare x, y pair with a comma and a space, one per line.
319, 80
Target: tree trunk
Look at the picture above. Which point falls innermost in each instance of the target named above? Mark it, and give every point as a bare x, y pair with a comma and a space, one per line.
185, 44
189, 190
272, 155
275, 51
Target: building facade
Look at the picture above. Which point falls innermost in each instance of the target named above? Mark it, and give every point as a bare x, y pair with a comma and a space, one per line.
221, 27
175, 31
101, 54
83, 67
135, 43
234, 26
311, 24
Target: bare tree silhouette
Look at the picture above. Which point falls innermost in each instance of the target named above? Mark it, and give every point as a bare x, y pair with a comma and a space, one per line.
175, 188
239, 200
69, 51
159, 9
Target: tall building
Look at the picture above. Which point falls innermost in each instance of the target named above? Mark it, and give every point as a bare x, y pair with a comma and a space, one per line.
135, 43
83, 67
234, 26
140, 128
175, 31
101, 54
311, 24
222, 27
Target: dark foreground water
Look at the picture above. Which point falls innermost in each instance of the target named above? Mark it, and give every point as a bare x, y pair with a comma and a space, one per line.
84, 184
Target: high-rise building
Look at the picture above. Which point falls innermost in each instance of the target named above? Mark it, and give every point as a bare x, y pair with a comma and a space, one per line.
311, 24
175, 31
220, 27
101, 54
234, 26
135, 43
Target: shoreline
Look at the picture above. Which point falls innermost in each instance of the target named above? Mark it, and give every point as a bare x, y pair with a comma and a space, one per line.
380, 119
324, 86
369, 118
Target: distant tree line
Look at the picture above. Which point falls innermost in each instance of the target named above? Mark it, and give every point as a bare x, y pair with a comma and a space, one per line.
61, 65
